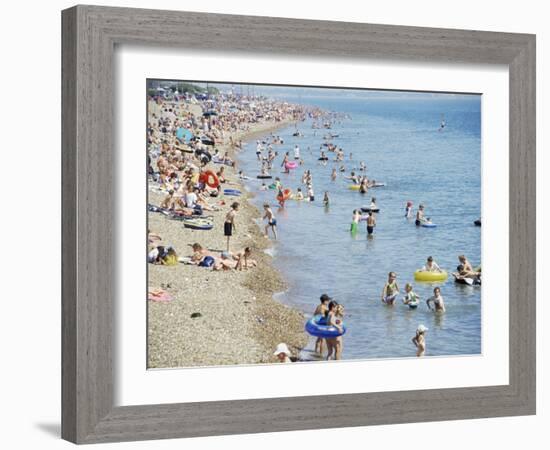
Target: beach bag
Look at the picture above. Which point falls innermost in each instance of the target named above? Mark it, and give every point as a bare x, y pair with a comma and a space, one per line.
207, 261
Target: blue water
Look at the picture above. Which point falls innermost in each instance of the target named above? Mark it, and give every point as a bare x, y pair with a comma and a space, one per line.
398, 139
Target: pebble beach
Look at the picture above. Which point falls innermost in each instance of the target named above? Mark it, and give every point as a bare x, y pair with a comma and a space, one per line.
219, 317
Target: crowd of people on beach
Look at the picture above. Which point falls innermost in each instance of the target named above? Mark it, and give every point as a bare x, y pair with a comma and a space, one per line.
184, 135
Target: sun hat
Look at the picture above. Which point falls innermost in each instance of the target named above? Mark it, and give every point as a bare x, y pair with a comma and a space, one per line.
282, 348
421, 328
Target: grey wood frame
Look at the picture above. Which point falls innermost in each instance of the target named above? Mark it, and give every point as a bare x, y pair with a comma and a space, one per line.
90, 34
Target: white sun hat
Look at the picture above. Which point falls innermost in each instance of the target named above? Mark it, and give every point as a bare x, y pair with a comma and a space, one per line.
282, 348
421, 328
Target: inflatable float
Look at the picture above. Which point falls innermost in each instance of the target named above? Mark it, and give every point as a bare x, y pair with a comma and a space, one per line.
287, 193
264, 177
428, 225
291, 165
198, 224
354, 187
234, 192
467, 281
368, 209
424, 275
209, 178
317, 326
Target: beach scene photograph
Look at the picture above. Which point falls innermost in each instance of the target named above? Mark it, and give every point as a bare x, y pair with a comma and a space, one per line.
295, 224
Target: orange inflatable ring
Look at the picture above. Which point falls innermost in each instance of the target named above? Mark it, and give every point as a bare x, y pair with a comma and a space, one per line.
210, 179
286, 195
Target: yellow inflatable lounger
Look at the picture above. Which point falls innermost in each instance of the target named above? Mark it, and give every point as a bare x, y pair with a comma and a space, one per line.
423, 275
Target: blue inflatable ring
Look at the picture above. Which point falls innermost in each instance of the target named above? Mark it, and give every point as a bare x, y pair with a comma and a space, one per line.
317, 326
231, 192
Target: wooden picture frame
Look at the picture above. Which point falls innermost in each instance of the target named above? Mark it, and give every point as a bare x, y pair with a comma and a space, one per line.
90, 34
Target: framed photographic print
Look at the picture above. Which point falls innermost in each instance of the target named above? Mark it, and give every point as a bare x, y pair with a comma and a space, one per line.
259, 222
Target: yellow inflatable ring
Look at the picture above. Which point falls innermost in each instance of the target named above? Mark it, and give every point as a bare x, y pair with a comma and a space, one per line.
354, 187
423, 275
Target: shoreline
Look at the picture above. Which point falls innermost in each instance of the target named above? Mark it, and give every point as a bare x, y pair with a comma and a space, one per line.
240, 321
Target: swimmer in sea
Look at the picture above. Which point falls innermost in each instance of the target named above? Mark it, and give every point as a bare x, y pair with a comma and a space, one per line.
321, 309
391, 289
419, 340
419, 215
410, 299
373, 204
371, 223
431, 266
299, 194
355, 221
333, 175
437, 300
408, 210
310, 193
326, 200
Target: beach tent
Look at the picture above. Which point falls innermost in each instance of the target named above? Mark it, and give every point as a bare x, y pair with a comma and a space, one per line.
184, 134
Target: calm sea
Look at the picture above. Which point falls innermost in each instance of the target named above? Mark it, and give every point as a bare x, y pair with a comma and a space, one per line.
398, 138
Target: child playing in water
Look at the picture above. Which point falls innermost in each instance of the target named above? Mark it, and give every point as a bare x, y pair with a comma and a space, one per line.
333, 175
419, 340
281, 197
410, 299
271, 221
299, 194
437, 300
243, 261
390, 291
263, 187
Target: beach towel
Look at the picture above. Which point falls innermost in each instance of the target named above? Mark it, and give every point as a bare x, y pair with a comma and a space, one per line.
159, 295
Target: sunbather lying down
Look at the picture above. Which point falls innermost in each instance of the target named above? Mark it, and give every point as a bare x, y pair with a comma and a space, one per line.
226, 261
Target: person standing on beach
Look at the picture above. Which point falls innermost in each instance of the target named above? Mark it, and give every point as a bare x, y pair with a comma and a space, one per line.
271, 221
419, 340
229, 224
321, 309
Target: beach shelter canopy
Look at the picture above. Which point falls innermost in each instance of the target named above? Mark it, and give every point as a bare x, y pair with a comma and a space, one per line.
184, 134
